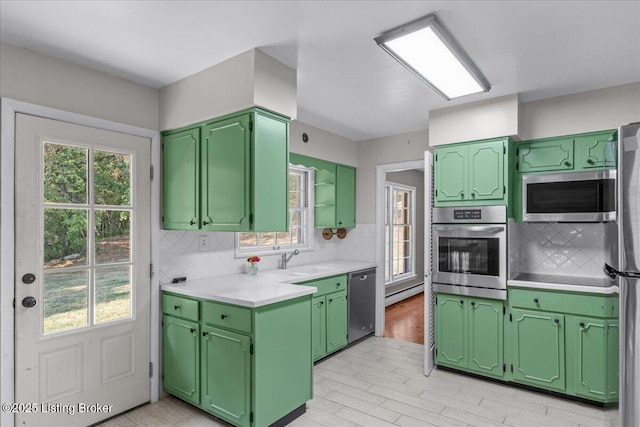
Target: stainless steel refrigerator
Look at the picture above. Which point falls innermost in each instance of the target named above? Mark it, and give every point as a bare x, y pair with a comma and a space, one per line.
622, 240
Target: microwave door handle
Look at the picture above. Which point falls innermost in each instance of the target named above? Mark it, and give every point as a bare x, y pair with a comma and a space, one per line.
465, 229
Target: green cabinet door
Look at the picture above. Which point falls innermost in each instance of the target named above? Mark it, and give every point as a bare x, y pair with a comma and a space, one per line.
336, 321
451, 330
181, 180
226, 375
270, 173
593, 356
225, 171
181, 358
318, 328
596, 150
539, 349
451, 170
546, 155
345, 197
486, 327
486, 171
613, 346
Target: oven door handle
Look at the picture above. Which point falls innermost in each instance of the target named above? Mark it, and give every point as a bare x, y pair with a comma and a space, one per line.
465, 229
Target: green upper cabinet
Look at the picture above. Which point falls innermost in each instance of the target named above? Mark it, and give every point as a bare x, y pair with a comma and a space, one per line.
597, 150
567, 153
545, 155
181, 180
345, 197
228, 174
452, 172
475, 173
335, 192
486, 171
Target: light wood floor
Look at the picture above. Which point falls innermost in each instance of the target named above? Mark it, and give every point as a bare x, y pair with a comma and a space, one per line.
404, 320
380, 383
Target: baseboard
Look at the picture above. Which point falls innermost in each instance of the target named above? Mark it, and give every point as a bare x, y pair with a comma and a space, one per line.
392, 299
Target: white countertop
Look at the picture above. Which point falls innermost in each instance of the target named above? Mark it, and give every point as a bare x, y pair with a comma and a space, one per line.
266, 287
589, 285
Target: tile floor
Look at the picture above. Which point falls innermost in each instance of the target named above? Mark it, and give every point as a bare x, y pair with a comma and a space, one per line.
379, 383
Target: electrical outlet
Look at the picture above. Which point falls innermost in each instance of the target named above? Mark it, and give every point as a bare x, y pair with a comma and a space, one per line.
204, 242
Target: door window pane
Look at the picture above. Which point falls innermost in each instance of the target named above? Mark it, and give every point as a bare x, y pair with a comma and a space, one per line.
65, 174
112, 178
112, 293
113, 236
65, 237
399, 232
65, 300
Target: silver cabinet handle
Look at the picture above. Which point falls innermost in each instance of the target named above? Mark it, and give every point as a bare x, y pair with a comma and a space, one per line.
465, 228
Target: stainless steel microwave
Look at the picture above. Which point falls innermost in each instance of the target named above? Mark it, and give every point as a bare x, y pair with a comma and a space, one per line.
569, 197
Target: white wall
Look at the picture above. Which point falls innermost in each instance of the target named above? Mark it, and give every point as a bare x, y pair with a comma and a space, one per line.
479, 120
589, 111
246, 80
583, 112
43, 80
322, 144
392, 149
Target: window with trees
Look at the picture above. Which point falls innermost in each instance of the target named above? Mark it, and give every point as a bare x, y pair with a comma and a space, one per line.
279, 241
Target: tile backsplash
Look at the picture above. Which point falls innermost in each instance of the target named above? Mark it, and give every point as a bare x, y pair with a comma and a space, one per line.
568, 249
180, 254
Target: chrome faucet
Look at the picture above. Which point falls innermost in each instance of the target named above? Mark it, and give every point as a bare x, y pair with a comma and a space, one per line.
285, 259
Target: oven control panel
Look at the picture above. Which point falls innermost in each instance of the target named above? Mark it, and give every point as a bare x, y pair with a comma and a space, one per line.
467, 214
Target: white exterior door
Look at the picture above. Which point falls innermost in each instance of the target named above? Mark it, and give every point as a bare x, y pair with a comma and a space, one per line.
82, 281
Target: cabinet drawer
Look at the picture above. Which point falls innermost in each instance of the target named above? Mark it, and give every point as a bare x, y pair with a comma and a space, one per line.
329, 284
227, 316
178, 306
566, 303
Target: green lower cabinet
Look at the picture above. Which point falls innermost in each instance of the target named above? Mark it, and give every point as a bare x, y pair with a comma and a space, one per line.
565, 342
328, 315
181, 358
318, 328
247, 366
595, 343
470, 334
451, 330
486, 337
328, 324
336, 321
539, 349
226, 375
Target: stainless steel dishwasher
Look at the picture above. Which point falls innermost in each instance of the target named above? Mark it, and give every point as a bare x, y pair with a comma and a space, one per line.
361, 312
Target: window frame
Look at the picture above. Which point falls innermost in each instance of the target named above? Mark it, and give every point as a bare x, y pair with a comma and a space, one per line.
389, 278
306, 219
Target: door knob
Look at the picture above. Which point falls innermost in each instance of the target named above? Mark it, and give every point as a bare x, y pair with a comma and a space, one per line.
28, 278
29, 302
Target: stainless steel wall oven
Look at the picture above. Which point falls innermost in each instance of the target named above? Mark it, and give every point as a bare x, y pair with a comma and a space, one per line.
470, 251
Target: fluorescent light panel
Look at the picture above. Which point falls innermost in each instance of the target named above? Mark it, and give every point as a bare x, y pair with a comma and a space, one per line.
428, 51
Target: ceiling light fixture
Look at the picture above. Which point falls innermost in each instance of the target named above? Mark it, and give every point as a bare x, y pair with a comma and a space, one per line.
426, 49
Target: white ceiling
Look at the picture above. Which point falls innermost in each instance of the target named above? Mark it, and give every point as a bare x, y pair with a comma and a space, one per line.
346, 83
